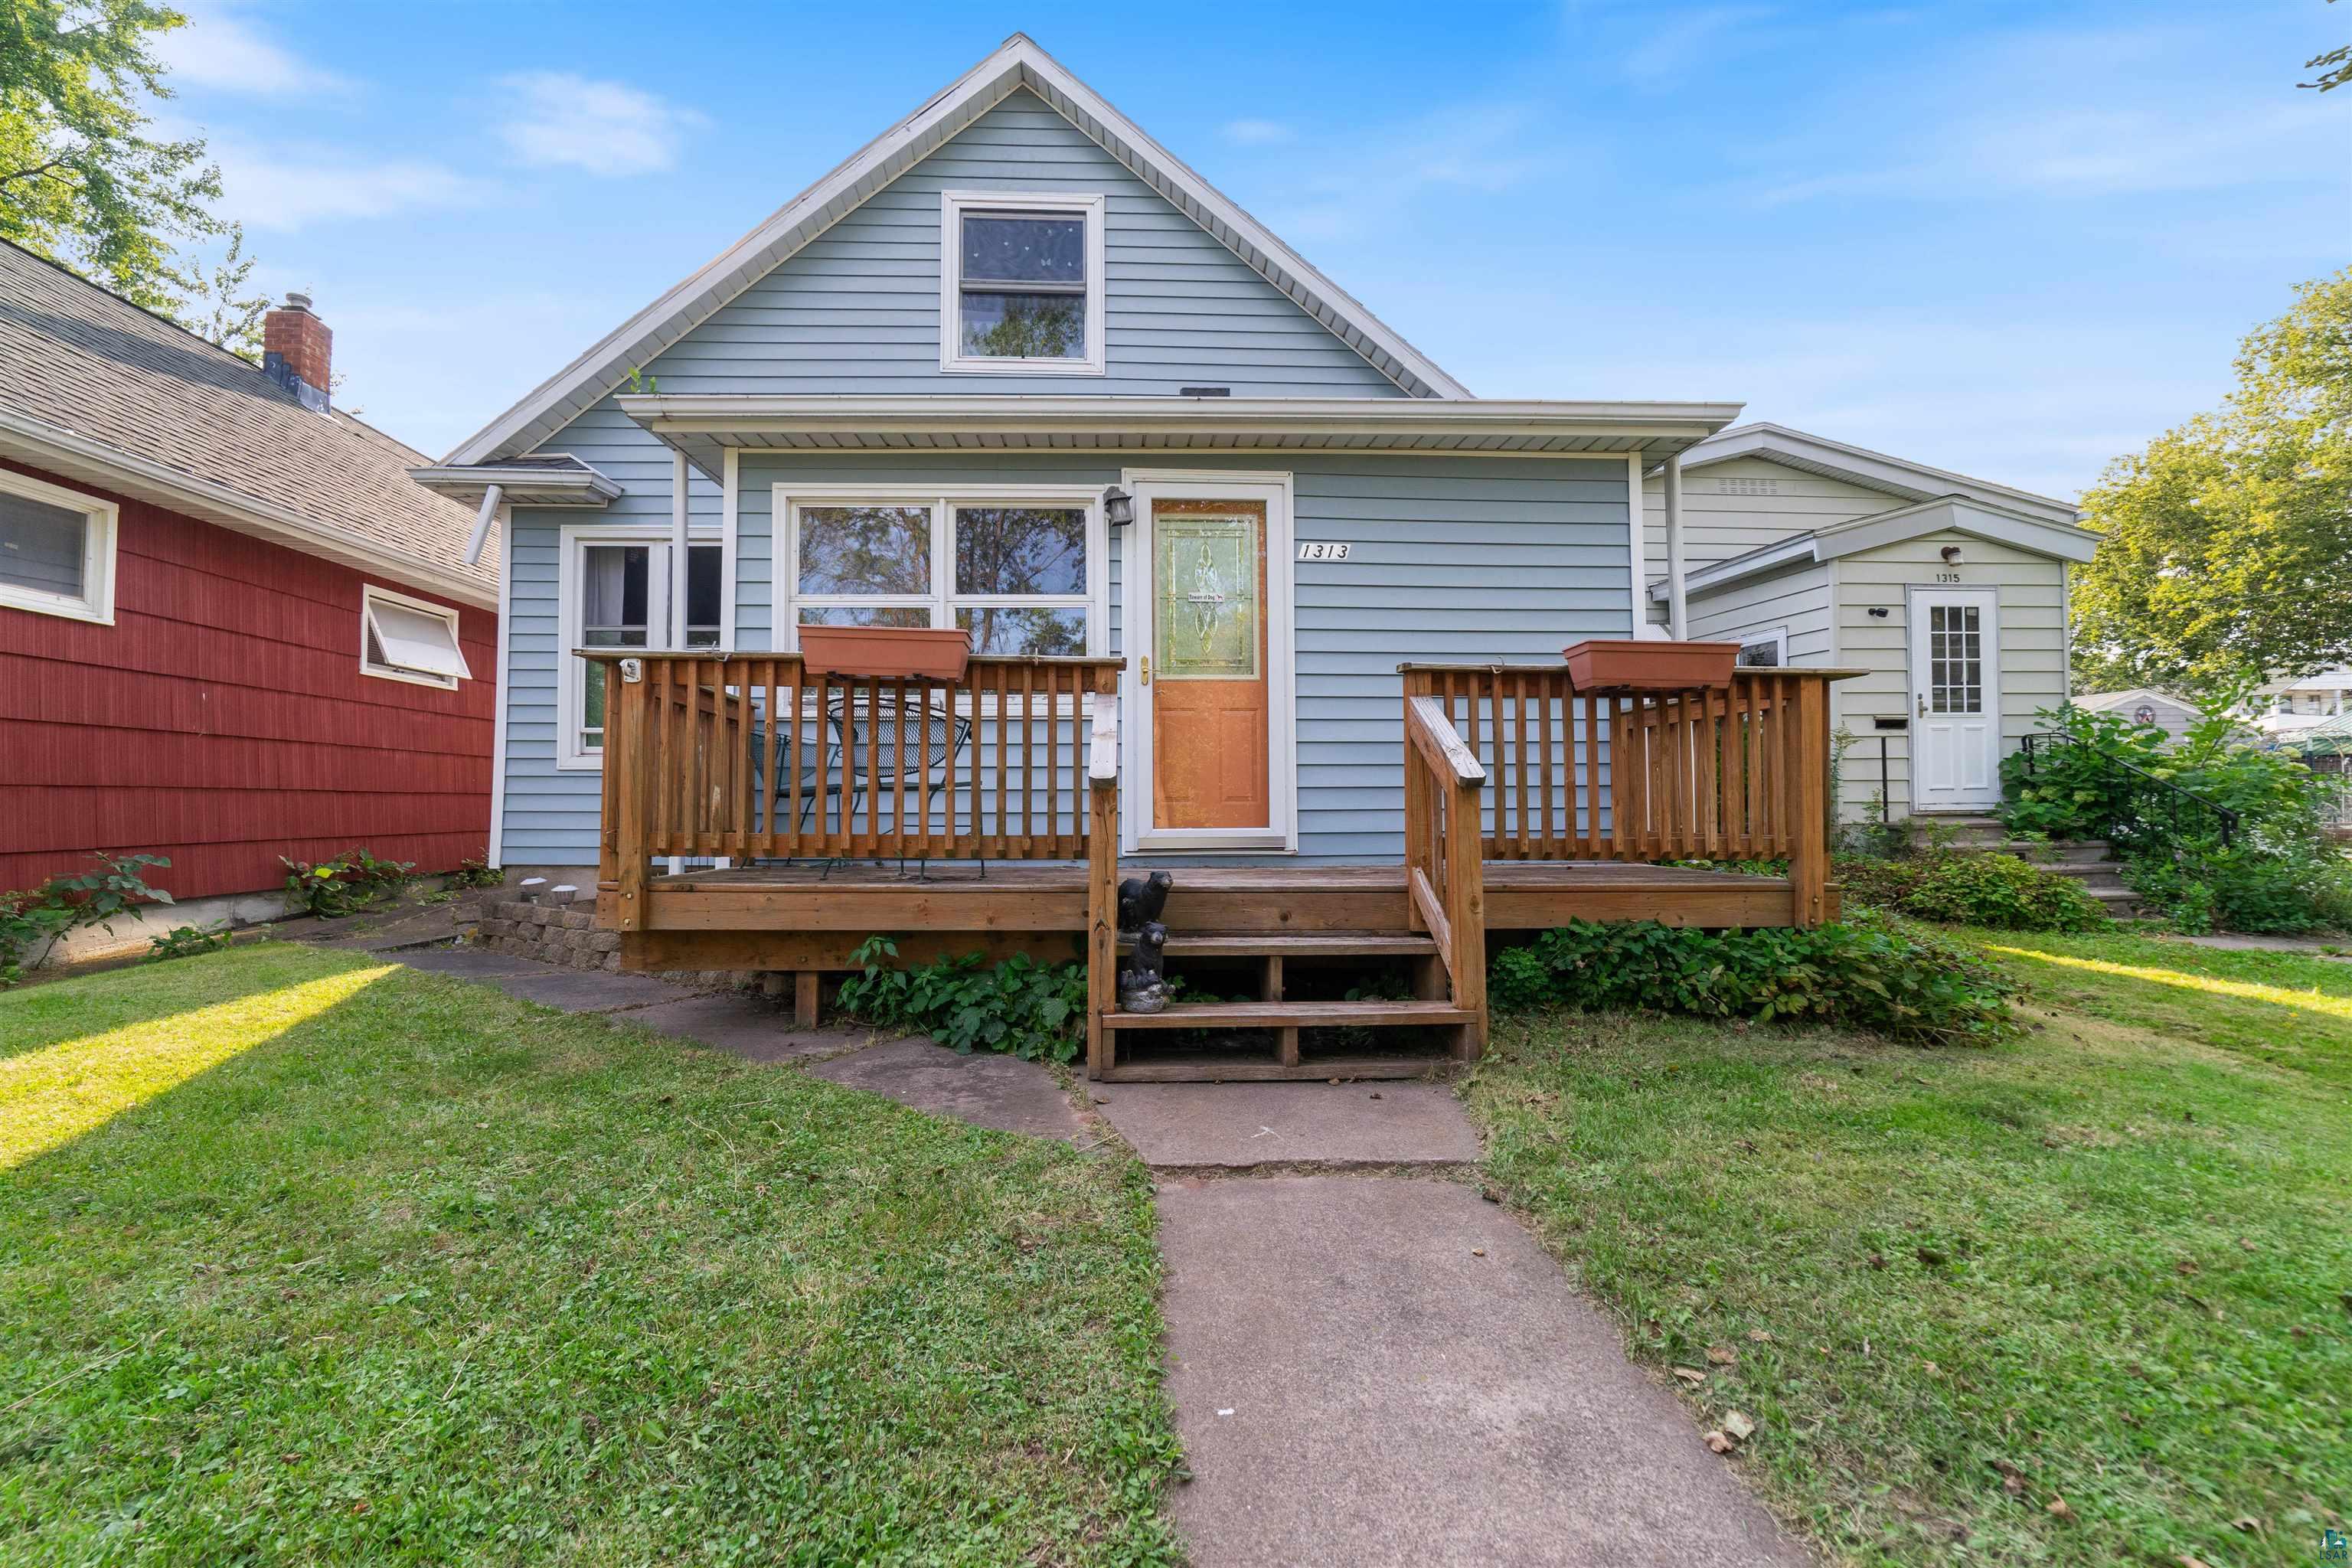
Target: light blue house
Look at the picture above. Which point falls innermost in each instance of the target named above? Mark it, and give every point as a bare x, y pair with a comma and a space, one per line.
931, 389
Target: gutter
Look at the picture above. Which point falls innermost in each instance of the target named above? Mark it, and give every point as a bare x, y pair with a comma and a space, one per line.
38, 442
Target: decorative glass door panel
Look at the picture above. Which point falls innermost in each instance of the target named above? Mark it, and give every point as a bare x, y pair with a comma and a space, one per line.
1208, 665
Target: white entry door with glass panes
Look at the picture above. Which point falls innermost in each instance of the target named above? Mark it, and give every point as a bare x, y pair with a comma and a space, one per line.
616, 593
1955, 700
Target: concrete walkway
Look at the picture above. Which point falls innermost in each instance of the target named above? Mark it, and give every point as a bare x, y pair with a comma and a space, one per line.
1384, 1368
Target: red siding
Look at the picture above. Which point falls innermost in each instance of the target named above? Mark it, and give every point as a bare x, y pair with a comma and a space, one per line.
222, 720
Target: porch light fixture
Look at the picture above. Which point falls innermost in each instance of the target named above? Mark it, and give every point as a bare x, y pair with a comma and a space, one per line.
1951, 555
1119, 507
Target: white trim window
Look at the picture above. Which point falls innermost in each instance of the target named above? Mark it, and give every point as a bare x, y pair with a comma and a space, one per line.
1021, 283
408, 639
613, 586
1764, 649
56, 550
1022, 571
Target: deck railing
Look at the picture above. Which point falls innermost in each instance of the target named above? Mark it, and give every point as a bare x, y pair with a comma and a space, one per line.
751, 757
1444, 857
1707, 772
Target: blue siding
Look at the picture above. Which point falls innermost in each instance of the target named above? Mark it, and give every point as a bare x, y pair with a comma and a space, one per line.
857, 311
1456, 559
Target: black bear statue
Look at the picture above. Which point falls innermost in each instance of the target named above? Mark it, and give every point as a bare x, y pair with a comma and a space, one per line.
1140, 900
1142, 985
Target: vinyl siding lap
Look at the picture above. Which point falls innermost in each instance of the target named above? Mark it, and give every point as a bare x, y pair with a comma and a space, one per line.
1460, 559
1717, 526
2033, 649
1798, 600
857, 310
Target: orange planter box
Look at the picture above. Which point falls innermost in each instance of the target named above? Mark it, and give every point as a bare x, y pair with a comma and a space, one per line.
934, 653
1628, 664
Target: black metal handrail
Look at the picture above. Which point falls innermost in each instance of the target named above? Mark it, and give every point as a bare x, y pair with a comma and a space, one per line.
2177, 797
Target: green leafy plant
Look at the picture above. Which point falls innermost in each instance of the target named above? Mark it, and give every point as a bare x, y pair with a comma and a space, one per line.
32, 923
1033, 1011
345, 885
1869, 972
2001, 892
187, 941
476, 871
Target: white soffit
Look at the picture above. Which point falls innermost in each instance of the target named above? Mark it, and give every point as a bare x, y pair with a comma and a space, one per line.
1873, 470
1018, 63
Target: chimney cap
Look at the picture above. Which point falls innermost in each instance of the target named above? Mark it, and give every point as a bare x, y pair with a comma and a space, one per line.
297, 300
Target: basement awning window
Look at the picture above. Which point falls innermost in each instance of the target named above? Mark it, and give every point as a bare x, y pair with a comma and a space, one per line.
408, 639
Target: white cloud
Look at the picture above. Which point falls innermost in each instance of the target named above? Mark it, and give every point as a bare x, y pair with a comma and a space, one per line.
1669, 49
287, 191
603, 127
1259, 132
221, 49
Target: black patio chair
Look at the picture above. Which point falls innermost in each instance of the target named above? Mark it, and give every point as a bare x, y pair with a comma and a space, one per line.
881, 739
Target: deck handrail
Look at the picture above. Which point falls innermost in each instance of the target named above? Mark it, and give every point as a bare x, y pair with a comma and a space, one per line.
752, 756
1737, 772
1444, 859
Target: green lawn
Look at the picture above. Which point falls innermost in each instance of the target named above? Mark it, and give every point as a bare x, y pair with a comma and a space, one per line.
2110, 1264
304, 1258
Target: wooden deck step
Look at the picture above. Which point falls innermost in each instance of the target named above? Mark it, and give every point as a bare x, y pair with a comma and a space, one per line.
1317, 1070
1291, 1015
1293, 944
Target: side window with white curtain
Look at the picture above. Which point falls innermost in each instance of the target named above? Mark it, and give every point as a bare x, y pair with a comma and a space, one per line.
616, 594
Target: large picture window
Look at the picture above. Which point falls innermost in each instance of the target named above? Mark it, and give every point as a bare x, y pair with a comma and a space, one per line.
1021, 283
616, 594
56, 550
1021, 572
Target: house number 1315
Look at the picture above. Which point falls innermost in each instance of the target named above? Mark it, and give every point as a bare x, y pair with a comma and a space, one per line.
1322, 550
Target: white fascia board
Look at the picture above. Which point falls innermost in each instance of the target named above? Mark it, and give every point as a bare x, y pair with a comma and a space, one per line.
61, 451
1798, 550
1961, 515
526, 487
1018, 63
1045, 416
1873, 470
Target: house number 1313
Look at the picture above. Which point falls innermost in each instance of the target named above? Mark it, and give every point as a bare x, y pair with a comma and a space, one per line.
1323, 550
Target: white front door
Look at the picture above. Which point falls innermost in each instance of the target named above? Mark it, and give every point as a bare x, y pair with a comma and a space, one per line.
1955, 700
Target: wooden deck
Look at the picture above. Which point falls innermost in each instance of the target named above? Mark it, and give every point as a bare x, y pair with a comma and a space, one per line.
1526, 803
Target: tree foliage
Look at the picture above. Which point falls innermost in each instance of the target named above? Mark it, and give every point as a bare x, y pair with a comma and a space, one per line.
2228, 556
82, 179
2335, 67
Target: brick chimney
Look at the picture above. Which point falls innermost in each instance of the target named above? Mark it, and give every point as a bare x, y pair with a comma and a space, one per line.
296, 350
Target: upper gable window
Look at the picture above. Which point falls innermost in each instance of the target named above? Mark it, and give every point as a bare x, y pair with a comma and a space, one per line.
1021, 283
56, 550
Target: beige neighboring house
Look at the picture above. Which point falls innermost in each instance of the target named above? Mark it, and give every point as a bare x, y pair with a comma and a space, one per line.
2144, 705
2285, 708
1949, 591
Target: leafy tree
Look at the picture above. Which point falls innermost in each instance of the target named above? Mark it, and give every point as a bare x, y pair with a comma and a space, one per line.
2335, 67
2228, 556
82, 180
217, 307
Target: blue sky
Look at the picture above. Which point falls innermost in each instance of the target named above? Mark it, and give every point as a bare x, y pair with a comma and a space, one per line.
2010, 239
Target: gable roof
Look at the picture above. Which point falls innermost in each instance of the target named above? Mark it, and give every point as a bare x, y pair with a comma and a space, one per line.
2113, 701
95, 388
1956, 513
1873, 470
1017, 63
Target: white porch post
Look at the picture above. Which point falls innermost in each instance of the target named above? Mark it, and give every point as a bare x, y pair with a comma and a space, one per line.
678, 509
1677, 605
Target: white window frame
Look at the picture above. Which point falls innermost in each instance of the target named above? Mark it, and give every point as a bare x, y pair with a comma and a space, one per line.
370, 596
571, 756
953, 205
101, 522
1776, 635
942, 601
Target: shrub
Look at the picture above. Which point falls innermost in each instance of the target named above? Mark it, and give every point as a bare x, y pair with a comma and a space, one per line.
342, 886
1875, 882
1033, 1011
2074, 789
2001, 892
1868, 972
33, 923
187, 941
2244, 889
